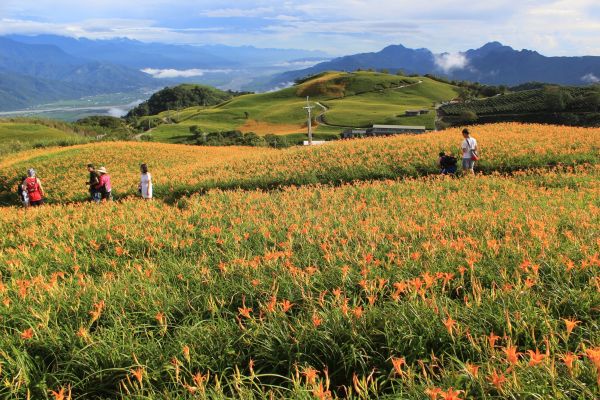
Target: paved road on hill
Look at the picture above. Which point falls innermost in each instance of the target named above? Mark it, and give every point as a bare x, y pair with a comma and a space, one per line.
321, 117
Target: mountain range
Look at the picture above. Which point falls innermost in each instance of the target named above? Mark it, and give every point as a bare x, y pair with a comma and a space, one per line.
46, 68
494, 64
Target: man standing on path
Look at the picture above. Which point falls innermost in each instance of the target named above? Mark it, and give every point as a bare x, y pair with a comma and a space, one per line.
469, 152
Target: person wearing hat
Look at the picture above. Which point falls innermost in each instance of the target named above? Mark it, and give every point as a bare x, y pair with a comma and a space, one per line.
33, 186
93, 182
104, 187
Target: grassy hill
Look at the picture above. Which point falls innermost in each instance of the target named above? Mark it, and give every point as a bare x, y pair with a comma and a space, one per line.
30, 132
25, 133
345, 100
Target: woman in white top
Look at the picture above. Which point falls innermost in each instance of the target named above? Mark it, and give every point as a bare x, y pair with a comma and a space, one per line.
469, 152
145, 187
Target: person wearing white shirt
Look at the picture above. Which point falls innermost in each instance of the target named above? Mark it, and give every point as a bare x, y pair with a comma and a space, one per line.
469, 152
145, 187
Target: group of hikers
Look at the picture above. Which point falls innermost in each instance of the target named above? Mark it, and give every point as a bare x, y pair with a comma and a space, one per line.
100, 188
447, 162
32, 193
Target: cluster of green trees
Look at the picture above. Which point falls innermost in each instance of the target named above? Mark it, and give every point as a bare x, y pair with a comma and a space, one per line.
235, 138
473, 90
180, 97
107, 126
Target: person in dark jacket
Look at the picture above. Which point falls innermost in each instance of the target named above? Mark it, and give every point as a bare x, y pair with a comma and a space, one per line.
23, 195
94, 181
447, 164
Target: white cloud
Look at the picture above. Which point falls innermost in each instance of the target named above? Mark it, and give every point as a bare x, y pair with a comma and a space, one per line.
553, 27
284, 85
186, 73
237, 12
299, 64
116, 112
590, 78
448, 62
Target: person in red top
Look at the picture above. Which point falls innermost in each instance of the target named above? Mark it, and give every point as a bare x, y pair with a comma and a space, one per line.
33, 186
104, 187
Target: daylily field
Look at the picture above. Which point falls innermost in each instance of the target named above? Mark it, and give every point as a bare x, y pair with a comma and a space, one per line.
349, 270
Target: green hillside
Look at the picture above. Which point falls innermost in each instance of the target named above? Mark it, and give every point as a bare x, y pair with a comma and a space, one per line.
562, 105
25, 133
340, 100
30, 132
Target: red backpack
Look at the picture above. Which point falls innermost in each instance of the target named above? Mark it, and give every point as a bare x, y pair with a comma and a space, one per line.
33, 189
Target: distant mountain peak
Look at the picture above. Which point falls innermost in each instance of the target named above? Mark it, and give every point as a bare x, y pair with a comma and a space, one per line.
493, 45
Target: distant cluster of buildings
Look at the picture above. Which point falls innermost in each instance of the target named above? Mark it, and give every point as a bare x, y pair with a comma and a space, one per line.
415, 113
382, 130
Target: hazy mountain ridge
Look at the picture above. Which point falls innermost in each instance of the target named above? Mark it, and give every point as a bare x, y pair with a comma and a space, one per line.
38, 73
136, 54
43, 68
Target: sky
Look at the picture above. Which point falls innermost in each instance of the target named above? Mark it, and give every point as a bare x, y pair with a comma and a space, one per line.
338, 27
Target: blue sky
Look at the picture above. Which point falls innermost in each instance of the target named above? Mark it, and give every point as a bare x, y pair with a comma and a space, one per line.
554, 27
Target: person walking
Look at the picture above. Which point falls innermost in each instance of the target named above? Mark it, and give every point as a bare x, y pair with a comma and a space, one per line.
104, 186
33, 186
93, 182
469, 152
145, 186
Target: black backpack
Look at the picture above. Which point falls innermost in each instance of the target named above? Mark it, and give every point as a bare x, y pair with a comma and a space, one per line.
448, 161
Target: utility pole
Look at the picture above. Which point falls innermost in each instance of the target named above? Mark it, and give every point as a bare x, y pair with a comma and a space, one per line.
309, 108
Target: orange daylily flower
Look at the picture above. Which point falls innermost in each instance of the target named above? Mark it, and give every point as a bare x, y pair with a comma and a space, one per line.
451, 394
27, 334
138, 374
569, 359
497, 380
492, 340
535, 358
398, 362
570, 324
512, 355
450, 323
311, 375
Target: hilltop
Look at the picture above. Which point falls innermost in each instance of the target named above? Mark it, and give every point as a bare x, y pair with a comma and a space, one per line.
341, 100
